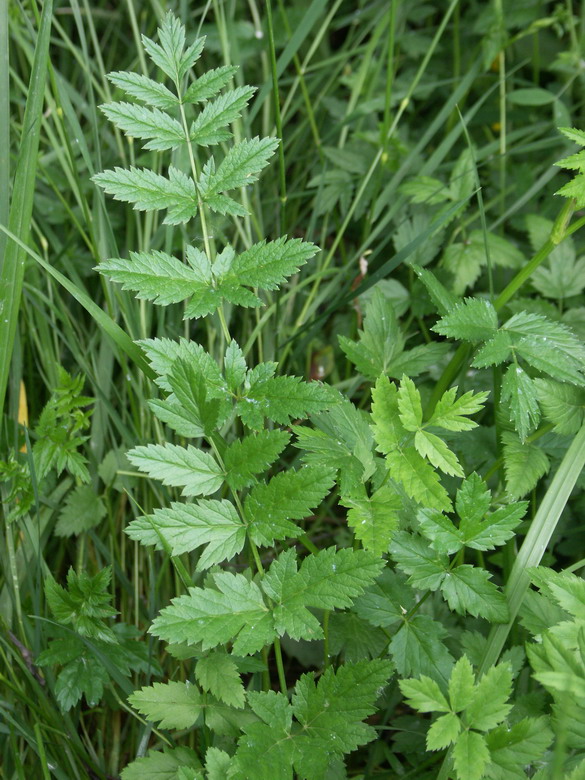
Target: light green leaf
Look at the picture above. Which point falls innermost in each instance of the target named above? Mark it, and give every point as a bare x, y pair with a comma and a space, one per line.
151, 92
241, 166
190, 468
418, 648
176, 705
381, 340
374, 519
290, 495
489, 705
473, 320
252, 455
209, 84
150, 191
218, 674
562, 404
468, 590
443, 732
157, 127
427, 568
461, 685
519, 392
524, 465
171, 56
425, 189
513, 748
409, 405
210, 127
473, 499
470, 756
269, 264
185, 527
236, 612
451, 412
161, 765
190, 389
424, 695
418, 478
154, 276
444, 536
282, 399
496, 528
436, 451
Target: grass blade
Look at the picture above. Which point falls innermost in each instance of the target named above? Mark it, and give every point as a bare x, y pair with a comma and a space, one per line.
12, 271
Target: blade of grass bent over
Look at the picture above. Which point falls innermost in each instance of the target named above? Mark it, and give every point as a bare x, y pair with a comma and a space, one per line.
12, 270
120, 338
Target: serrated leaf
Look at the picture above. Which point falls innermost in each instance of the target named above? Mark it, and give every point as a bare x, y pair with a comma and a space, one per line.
461, 685
327, 580
468, 590
436, 451
489, 706
409, 405
210, 127
153, 125
162, 353
473, 499
338, 703
443, 299
443, 732
150, 191
404, 463
424, 695
418, 478
524, 465
562, 404
342, 438
149, 91
171, 56
513, 748
251, 455
374, 519
473, 320
519, 392
190, 389
379, 343
444, 536
154, 276
269, 264
496, 529
190, 468
425, 189
234, 366
209, 84
185, 527
415, 361
218, 674
82, 677
282, 399
217, 763
470, 756
236, 612
495, 351
290, 495
417, 648
241, 166
161, 765
175, 705
83, 510
427, 568
451, 412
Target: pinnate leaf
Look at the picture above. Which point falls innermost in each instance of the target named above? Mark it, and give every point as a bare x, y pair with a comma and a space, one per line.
175, 705
183, 528
190, 468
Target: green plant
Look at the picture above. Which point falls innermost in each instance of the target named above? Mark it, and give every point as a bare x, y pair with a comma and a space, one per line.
335, 581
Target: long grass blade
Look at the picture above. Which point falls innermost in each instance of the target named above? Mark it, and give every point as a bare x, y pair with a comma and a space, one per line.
12, 271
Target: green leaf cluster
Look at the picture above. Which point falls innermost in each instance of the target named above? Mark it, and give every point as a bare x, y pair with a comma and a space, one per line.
473, 721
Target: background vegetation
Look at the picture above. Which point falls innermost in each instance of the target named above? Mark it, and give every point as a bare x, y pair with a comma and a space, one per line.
415, 135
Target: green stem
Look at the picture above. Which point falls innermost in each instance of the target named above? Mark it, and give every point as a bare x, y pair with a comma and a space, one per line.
280, 666
277, 116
